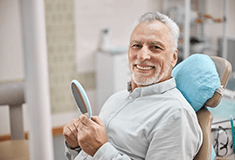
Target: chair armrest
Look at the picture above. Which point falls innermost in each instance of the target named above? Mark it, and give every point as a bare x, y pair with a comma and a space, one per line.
12, 94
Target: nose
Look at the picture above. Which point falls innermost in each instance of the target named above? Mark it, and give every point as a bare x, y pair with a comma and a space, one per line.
144, 53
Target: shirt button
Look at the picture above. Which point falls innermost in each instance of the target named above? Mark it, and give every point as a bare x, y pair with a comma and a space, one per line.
112, 114
130, 98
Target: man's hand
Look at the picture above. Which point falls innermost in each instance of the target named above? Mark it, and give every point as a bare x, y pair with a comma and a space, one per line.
70, 133
91, 134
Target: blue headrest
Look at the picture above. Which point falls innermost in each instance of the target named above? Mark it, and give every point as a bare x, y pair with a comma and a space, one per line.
197, 79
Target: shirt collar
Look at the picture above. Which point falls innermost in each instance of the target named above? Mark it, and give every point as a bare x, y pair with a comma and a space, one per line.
153, 89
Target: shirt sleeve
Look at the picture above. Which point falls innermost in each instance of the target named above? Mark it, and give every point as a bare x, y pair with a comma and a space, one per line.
178, 137
71, 153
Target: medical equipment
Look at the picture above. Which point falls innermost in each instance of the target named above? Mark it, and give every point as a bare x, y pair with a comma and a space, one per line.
233, 133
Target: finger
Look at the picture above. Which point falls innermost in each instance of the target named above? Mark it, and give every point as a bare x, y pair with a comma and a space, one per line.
86, 114
68, 139
70, 130
79, 135
71, 142
67, 132
81, 127
73, 134
85, 120
97, 120
72, 127
76, 122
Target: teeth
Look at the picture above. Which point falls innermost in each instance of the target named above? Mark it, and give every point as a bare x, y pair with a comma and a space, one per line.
144, 68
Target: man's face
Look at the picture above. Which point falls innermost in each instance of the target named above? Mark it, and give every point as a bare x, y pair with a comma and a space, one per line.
151, 55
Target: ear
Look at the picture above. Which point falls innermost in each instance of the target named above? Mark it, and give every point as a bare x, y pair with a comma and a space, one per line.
174, 58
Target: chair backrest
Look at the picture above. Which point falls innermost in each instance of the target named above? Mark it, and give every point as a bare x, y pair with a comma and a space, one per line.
12, 94
224, 70
205, 118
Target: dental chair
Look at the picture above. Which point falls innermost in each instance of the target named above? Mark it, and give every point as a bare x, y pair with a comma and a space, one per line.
201, 79
205, 117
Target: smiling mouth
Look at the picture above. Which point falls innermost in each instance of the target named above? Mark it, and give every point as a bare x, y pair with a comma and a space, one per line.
145, 68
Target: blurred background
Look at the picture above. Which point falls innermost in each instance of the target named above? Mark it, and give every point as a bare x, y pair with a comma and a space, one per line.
88, 41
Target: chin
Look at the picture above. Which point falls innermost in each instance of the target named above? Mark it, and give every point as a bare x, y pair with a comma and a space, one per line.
145, 81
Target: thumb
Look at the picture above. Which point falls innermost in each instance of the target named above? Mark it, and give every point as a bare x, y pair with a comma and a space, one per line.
97, 120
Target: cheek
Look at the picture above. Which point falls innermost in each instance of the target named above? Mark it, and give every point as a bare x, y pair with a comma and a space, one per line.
158, 61
131, 58
166, 66
130, 61
161, 64
130, 66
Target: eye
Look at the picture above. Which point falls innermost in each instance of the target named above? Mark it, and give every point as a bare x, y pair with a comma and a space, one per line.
136, 46
156, 48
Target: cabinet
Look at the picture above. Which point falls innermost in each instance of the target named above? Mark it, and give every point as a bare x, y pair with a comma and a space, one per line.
112, 75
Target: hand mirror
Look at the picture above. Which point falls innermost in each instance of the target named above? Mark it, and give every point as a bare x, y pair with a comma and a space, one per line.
81, 98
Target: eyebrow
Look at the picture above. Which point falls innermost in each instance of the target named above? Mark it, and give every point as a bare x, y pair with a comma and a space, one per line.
135, 41
152, 42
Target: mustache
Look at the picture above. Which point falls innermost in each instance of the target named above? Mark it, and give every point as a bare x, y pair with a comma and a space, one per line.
144, 63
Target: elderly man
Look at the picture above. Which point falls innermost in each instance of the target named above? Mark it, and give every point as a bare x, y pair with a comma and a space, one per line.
151, 121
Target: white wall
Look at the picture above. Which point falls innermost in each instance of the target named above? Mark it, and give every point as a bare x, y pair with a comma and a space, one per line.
11, 54
91, 16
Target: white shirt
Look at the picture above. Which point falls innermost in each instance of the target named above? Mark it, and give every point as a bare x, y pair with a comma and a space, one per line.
154, 122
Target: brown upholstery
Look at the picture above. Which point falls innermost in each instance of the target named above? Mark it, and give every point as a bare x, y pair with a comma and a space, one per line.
205, 119
204, 116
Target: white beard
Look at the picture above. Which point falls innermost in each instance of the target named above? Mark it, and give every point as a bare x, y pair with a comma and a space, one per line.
141, 79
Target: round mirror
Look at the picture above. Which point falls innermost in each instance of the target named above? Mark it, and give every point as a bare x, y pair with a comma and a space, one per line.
81, 98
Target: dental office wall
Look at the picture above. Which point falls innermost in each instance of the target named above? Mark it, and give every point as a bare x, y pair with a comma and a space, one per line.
73, 30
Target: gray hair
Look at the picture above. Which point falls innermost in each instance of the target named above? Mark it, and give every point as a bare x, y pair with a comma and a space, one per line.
151, 16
